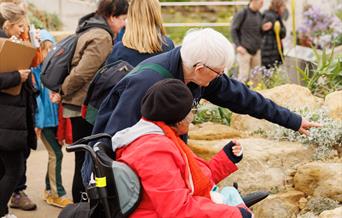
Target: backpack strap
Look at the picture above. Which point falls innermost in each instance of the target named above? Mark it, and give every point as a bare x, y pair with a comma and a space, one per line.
155, 67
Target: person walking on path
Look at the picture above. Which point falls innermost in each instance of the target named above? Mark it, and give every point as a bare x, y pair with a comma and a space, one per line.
246, 32
272, 48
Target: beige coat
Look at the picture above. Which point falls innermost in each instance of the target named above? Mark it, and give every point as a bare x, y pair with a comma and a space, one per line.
92, 49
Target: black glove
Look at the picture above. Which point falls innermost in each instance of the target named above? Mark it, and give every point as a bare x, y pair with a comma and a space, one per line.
245, 213
228, 149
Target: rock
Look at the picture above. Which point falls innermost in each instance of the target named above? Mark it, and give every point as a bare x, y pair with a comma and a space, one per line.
320, 179
290, 96
265, 165
302, 203
333, 103
336, 213
212, 131
284, 205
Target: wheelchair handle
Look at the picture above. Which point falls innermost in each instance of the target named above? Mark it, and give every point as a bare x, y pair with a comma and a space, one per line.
81, 147
91, 138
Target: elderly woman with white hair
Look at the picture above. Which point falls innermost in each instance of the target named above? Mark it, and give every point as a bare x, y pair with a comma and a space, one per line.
200, 63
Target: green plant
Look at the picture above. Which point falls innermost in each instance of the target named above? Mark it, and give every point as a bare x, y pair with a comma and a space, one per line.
211, 113
43, 20
325, 138
326, 76
319, 204
263, 78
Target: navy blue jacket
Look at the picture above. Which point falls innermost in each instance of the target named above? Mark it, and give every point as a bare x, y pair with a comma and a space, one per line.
133, 57
121, 108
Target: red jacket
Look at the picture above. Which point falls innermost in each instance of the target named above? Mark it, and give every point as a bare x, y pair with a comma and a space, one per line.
160, 166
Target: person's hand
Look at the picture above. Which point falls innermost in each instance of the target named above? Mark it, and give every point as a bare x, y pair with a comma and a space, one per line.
267, 26
241, 50
237, 148
24, 74
55, 97
306, 125
61, 142
38, 132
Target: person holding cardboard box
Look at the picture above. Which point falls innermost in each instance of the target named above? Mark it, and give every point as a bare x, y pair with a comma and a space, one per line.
16, 114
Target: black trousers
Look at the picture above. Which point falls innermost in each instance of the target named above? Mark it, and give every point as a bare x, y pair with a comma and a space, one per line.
12, 169
80, 129
21, 185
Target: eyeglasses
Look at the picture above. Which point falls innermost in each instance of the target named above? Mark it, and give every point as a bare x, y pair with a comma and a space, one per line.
218, 73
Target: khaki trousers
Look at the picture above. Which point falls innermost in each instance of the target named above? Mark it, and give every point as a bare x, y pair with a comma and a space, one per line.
247, 62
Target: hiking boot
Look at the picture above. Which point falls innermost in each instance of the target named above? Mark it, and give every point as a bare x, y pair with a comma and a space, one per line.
9, 215
22, 201
58, 201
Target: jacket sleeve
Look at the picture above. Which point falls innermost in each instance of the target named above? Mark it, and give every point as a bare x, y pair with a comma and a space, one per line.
8, 80
221, 166
121, 108
282, 29
235, 29
163, 182
94, 55
234, 95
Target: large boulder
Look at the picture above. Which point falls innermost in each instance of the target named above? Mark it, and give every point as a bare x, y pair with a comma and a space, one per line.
284, 205
320, 179
267, 164
333, 103
336, 213
212, 131
290, 96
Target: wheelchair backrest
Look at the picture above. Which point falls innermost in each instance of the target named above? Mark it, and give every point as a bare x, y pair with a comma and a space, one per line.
122, 184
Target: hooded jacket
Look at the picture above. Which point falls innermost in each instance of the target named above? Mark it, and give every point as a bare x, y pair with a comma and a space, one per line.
160, 166
93, 46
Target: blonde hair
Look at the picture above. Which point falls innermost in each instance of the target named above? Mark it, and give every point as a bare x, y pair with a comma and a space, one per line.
11, 13
144, 28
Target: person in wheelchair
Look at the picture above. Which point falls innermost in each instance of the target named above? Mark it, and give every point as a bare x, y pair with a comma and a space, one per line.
176, 182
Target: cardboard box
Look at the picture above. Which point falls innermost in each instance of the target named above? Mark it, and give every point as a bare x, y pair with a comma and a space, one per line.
13, 57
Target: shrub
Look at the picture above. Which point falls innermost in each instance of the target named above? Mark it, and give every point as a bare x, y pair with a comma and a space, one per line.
325, 77
325, 138
207, 112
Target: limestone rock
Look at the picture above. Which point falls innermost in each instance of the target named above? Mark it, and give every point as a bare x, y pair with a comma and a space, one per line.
320, 179
333, 103
212, 131
284, 205
265, 165
290, 96
336, 213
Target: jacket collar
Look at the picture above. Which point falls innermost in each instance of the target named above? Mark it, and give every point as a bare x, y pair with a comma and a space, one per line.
128, 135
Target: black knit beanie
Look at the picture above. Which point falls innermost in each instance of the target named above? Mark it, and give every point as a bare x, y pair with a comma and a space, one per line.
168, 100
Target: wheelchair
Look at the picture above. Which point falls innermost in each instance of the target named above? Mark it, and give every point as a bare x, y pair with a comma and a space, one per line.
117, 190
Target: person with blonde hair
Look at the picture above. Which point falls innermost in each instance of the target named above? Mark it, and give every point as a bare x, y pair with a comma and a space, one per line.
144, 36
17, 135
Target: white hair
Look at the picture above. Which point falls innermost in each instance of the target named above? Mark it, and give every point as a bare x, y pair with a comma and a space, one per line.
208, 47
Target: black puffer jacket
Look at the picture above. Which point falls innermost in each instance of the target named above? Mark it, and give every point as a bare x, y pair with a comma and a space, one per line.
16, 114
269, 50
